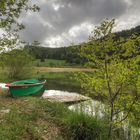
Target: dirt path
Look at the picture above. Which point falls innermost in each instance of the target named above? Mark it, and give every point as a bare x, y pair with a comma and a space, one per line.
49, 69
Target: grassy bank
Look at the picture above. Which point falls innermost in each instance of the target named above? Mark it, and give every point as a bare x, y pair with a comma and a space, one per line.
24, 118
35, 118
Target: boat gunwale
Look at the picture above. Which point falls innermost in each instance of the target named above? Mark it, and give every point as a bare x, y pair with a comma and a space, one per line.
25, 85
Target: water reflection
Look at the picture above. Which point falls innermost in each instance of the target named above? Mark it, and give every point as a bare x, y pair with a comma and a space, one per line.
90, 107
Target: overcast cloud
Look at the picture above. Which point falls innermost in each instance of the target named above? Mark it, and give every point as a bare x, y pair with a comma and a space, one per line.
62, 22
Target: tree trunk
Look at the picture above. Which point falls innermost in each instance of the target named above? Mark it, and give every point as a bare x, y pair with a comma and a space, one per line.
110, 95
110, 121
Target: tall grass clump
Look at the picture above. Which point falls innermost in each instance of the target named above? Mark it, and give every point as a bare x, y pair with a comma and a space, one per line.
83, 127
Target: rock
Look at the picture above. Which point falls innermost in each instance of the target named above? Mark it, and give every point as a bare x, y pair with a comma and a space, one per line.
63, 96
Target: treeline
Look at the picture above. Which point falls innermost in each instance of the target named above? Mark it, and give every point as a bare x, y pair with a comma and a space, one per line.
43, 53
127, 33
70, 54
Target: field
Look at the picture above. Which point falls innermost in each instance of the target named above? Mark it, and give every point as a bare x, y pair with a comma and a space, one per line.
54, 63
58, 69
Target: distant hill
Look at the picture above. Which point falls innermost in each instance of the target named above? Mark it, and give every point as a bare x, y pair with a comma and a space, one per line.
70, 53
127, 33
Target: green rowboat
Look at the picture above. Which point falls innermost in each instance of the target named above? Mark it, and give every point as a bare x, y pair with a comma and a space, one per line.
26, 87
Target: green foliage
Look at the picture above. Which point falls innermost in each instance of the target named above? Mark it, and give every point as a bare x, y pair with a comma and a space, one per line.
117, 73
56, 110
51, 63
43, 52
129, 32
37, 118
72, 55
10, 11
18, 64
55, 63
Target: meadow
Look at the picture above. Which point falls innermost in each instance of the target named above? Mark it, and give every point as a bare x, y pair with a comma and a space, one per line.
54, 63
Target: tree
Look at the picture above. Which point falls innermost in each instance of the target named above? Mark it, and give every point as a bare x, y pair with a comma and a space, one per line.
10, 11
116, 78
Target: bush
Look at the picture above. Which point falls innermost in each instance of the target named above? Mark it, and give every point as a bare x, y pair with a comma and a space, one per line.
18, 64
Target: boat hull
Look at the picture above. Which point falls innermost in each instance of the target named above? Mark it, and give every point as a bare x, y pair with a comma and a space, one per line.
17, 90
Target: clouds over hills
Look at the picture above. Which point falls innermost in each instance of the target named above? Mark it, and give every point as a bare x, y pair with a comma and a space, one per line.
61, 22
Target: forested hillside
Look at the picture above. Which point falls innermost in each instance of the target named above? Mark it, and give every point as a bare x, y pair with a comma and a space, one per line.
69, 54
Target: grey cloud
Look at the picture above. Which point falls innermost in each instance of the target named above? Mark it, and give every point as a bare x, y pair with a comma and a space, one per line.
35, 29
77, 11
51, 22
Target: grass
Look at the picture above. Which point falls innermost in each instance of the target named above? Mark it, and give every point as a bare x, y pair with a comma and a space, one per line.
36, 118
54, 63
26, 120
84, 127
3, 75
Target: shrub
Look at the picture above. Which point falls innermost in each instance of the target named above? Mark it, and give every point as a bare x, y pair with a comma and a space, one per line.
18, 64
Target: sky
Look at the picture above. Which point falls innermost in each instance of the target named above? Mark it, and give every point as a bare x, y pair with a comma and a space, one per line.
61, 23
